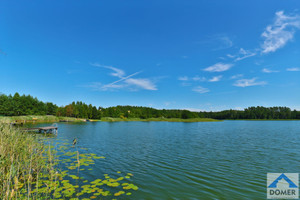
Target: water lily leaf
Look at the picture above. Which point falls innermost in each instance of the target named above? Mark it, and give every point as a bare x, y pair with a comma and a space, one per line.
74, 177
117, 194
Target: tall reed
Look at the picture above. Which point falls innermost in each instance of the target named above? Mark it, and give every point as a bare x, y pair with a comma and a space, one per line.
31, 169
23, 164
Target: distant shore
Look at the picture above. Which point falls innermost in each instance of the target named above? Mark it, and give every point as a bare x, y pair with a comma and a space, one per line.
263, 119
38, 119
110, 119
51, 118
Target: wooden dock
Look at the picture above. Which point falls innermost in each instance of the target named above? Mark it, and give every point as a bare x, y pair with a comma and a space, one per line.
17, 123
46, 129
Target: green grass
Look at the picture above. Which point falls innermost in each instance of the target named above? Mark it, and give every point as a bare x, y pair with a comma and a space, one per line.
110, 119
37, 118
51, 118
22, 160
32, 168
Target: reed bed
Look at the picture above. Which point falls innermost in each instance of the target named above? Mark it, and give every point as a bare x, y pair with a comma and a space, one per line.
32, 168
24, 162
37, 118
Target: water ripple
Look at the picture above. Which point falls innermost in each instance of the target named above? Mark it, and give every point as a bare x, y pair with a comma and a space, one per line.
227, 160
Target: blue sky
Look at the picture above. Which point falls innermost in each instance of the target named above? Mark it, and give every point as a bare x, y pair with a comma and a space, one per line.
197, 55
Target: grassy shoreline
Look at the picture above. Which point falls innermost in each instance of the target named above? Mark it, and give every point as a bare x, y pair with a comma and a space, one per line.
38, 119
51, 118
110, 119
23, 162
34, 168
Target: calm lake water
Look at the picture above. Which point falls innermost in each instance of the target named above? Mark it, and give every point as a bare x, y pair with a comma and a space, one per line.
205, 160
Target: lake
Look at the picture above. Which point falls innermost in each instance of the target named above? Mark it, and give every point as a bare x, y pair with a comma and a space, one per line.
203, 160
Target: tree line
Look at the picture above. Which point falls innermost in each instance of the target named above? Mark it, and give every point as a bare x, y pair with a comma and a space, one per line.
24, 105
17, 105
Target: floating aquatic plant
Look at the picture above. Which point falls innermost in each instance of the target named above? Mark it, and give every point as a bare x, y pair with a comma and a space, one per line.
53, 171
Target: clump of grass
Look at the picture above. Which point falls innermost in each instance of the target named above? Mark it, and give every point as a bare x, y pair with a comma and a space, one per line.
32, 169
22, 160
37, 118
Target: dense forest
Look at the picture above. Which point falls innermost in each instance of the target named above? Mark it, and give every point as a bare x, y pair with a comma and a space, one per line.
17, 105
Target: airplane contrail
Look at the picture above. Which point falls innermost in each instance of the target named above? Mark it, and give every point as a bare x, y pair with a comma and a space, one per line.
122, 79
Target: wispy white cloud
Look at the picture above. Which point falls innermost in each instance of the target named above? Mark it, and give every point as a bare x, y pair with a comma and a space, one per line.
198, 78
237, 76
244, 54
116, 72
280, 32
128, 82
217, 42
169, 103
200, 89
275, 36
231, 56
195, 78
259, 62
215, 78
225, 41
183, 78
190, 81
266, 70
293, 69
248, 82
185, 84
218, 67
113, 84
142, 83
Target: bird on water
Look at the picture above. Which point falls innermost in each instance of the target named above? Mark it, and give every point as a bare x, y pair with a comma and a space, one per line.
74, 141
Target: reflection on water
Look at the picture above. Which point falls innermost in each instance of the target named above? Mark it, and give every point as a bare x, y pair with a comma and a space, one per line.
205, 160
